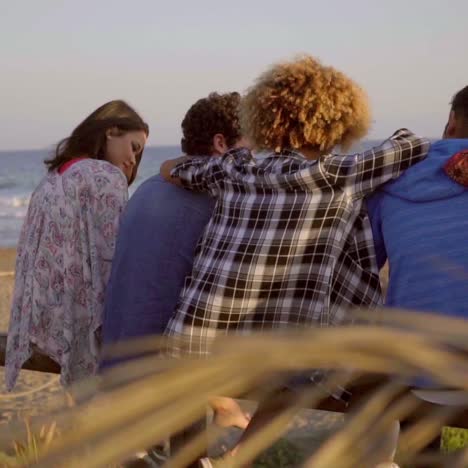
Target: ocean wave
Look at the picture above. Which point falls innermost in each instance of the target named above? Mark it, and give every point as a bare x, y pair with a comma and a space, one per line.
8, 183
12, 215
13, 207
14, 201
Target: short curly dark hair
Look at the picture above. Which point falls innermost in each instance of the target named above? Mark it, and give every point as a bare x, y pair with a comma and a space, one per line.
217, 113
460, 103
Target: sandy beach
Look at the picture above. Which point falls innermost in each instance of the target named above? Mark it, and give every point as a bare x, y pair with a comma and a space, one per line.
35, 393
7, 259
7, 267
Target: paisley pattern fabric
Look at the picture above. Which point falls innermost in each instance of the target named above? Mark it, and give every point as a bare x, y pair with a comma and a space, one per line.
62, 268
457, 168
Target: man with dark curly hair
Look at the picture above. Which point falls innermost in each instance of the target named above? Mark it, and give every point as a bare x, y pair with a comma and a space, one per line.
158, 235
160, 229
212, 125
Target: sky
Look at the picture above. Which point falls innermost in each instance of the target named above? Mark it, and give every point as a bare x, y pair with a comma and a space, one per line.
59, 60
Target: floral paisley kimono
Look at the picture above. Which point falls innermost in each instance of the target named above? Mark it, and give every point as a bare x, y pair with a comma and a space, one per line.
62, 268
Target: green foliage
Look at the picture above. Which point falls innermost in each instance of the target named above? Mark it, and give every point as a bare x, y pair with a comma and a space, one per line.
281, 455
454, 439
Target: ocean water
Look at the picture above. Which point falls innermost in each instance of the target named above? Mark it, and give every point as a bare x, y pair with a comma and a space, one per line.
21, 171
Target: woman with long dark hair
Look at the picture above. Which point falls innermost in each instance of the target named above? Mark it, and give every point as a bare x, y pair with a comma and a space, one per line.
67, 243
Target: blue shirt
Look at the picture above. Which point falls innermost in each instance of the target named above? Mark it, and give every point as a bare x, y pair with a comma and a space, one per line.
419, 223
154, 253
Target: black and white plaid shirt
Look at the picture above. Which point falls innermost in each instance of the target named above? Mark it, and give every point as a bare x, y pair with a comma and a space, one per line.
289, 243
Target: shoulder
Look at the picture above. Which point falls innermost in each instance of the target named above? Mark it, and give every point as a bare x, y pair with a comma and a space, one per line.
160, 200
152, 187
96, 174
236, 154
90, 168
171, 217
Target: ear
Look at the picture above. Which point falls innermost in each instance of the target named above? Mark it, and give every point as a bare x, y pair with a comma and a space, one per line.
219, 144
451, 127
112, 132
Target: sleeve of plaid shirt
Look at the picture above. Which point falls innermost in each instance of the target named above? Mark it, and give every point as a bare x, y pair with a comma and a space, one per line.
198, 173
207, 174
361, 174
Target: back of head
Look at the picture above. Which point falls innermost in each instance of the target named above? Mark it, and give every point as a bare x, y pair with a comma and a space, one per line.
88, 139
215, 114
457, 127
303, 104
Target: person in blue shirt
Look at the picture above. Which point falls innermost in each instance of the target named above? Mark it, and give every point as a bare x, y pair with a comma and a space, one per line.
158, 236
420, 221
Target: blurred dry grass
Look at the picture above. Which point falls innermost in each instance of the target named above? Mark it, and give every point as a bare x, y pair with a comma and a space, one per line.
152, 398
35, 392
149, 399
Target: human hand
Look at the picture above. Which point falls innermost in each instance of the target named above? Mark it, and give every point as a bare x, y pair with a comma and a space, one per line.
167, 166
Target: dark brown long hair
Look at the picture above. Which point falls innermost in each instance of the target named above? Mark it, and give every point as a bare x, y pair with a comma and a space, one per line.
89, 138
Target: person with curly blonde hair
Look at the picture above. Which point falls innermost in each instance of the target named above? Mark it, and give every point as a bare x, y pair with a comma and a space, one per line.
289, 243
304, 105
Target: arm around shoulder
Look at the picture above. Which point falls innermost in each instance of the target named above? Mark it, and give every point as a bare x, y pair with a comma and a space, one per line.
167, 168
362, 173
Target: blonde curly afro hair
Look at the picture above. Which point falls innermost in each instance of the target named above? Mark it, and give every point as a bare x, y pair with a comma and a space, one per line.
304, 104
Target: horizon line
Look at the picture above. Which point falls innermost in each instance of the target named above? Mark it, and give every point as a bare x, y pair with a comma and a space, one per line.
12, 150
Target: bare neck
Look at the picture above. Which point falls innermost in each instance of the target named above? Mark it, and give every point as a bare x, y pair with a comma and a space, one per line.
312, 153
